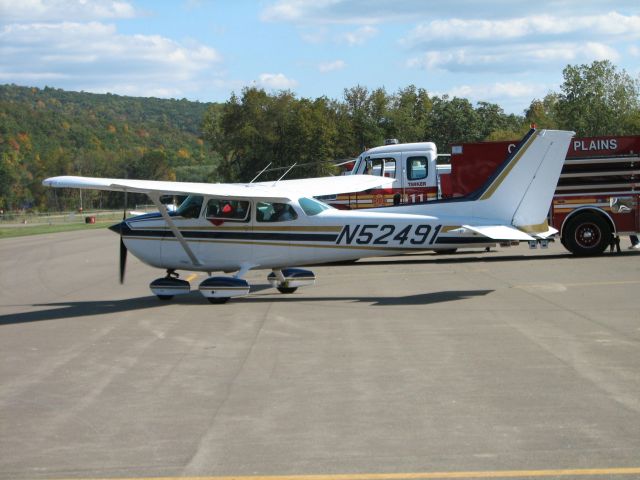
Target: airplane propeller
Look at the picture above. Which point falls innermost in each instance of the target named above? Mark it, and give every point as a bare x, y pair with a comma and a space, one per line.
123, 259
123, 248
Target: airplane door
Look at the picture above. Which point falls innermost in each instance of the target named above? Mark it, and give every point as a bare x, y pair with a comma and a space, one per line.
226, 237
275, 230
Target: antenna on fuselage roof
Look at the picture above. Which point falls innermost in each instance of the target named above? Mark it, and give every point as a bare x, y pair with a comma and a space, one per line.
260, 173
285, 173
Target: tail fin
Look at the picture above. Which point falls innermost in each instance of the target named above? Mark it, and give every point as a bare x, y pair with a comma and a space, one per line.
520, 192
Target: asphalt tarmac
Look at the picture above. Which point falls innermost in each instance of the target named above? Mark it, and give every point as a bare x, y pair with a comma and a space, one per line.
507, 364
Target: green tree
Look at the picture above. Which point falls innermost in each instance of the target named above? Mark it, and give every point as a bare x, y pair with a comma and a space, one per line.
542, 113
451, 121
367, 113
598, 99
409, 114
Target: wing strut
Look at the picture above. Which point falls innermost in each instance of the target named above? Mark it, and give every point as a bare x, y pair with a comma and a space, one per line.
155, 198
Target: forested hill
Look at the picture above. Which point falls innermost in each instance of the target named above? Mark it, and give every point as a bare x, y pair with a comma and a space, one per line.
46, 132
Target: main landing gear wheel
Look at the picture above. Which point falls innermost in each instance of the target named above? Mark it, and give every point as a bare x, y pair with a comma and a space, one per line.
167, 287
218, 300
287, 289
219, 290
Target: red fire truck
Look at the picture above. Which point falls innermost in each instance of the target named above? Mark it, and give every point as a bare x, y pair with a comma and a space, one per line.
597, 198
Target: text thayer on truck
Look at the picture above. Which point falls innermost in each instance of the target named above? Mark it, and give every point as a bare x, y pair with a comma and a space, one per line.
597, 198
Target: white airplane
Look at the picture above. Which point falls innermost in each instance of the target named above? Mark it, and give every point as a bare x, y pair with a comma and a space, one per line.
279, 226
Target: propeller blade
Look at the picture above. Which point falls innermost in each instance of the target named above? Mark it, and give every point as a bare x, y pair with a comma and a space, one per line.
123, 259
123, 248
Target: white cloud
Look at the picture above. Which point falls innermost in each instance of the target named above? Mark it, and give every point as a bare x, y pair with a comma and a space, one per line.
63, 10
97, 57
352, 37
599, 51
458, 31
326, 67
322, 11
276, 81
497, 90
384, 11
359, 36
513, 97
511, 58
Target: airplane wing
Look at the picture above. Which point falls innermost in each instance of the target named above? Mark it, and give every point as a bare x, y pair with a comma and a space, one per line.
314, 187
284, 189
500, 232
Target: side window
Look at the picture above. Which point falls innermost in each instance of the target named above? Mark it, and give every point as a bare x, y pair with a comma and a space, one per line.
417, 168
227, 210
191, 207
381, 167
274, 212
390, 167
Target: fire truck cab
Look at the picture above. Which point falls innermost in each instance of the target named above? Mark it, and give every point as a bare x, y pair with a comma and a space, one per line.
412, 165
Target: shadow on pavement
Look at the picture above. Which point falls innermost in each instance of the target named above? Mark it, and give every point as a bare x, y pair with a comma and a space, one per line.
62, 310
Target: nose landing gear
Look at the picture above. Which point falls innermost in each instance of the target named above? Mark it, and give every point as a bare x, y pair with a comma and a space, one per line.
288, 280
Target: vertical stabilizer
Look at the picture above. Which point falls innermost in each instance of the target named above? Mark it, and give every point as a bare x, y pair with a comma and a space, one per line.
521, 191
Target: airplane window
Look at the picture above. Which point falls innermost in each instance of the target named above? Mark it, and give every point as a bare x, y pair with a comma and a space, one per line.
225, 209
416, 168
274, 212
313, 207
191, 207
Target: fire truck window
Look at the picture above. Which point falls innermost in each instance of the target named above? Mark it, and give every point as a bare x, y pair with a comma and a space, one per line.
225, 209
417, 168
383, 167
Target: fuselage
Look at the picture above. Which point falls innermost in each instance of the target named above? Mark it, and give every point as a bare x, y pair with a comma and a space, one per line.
228, 235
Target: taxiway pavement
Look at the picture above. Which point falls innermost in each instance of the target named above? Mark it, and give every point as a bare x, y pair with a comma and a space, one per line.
509, 360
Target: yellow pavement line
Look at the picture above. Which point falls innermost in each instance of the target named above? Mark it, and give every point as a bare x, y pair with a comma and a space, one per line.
579, 284
602, 284
413, 476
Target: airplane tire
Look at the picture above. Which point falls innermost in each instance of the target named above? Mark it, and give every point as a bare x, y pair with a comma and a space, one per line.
586, 234
218, 300
287, 289
164, 298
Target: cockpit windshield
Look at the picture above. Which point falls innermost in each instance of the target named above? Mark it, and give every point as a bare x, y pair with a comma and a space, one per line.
191, 207
311, 206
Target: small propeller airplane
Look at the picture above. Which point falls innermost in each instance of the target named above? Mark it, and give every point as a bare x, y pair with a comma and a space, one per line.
280, 226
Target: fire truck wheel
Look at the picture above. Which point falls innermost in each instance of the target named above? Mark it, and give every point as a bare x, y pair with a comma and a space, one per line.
586, 234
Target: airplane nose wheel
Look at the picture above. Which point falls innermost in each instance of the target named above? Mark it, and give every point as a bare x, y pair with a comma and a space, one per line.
287, 280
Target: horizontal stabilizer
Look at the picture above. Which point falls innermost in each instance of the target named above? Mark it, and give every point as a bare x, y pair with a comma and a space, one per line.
500, 232
546, 234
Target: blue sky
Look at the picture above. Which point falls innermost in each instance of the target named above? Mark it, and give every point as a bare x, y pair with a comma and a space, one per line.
506, 52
